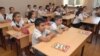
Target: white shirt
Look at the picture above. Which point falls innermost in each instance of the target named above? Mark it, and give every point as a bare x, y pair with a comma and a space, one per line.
57, 13
37, 34
1, 18
54, 26
41, 13
78, 19
85, 15
31, 20
94, 13
35, 9
20, 24
9, 16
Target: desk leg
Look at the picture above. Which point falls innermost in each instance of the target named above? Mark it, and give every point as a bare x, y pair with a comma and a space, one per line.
19, 52
82, 51
2, 39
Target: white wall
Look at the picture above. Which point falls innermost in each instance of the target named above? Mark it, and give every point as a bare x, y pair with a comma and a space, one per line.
20, 5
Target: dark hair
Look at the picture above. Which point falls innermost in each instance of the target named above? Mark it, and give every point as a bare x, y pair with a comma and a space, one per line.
56, 8
2, 8
30, 14
15, 15
10, 8
38, 21
28, 5
79, 11
47, 8
57, 17
34, 5
40, 7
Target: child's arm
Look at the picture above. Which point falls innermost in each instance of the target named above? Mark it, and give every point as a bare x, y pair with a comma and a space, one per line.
47, 38
16, 28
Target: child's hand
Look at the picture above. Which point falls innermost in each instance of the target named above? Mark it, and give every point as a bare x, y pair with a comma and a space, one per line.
66, 28
60, 31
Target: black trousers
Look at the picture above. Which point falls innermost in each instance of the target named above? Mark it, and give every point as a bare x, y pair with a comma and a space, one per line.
77, 25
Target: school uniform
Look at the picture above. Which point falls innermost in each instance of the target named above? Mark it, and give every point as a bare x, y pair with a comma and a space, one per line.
85, 14
94, 13
35, 39
37, 34
57, 13
1, 17
41, 13
9, 16
77, 21
35, 9
31, 20
20, 24
55, 27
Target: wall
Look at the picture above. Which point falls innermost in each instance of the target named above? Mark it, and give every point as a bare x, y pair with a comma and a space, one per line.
20, 5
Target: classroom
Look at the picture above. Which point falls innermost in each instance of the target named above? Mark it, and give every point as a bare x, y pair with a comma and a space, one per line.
49, 27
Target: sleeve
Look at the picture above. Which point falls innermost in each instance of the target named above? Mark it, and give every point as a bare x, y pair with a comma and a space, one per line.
22, 21
63, 26
81, 17
1, 18
13, 24
28, 21
36, 35
53, 27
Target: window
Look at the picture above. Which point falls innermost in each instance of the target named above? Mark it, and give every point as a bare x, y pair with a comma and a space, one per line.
73, 2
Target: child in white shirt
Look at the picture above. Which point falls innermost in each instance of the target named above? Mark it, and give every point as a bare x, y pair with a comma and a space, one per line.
17, 23
57, 26
10, 15
2, 15
31, 17
40, 34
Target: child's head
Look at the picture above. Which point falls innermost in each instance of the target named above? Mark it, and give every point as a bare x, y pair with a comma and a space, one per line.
29, 6
40, 24
34, 6
17, 16
58, 20
31, 14
2, 10
11, 9
80, 10
40, 7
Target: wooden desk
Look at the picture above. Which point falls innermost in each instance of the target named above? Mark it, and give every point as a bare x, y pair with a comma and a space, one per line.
92, 20
2, 37
22, 40
50, 15
72, 37
68, 18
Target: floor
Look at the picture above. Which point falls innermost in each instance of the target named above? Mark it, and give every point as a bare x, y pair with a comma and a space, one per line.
90, 50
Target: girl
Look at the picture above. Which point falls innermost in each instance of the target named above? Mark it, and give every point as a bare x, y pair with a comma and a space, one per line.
79, 18
31, 17
18, 23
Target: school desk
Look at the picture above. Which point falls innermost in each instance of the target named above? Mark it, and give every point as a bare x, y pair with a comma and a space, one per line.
50, 15
2, 37
22, 40
68, 18
74, 38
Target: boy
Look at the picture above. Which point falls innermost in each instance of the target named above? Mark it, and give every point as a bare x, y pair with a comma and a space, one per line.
40, 34
57, 26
